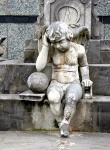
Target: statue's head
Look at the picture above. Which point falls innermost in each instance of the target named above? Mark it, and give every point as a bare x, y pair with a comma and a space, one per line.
58, 31
59, 34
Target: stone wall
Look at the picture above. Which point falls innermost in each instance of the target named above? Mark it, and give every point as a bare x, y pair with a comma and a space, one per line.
17, 33
103, 9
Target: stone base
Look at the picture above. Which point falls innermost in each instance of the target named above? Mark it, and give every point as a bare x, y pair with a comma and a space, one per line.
16, 114
30, 96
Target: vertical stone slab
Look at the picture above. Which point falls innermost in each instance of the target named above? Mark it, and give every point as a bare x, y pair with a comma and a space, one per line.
93, 54
17, 34
103, 8
3, 7
73, 12
105, 51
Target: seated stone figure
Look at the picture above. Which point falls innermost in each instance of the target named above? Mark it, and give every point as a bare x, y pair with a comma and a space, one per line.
65, 88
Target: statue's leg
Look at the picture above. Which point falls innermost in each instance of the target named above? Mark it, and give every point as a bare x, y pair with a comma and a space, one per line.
55, 95
72, 96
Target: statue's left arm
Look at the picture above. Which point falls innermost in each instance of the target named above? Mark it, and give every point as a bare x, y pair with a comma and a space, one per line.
84, 68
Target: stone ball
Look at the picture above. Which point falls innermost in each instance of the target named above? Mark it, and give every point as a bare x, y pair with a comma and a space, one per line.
38, 82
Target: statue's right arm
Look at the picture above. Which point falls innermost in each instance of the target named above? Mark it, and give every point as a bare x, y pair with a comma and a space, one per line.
43, 55
42, 59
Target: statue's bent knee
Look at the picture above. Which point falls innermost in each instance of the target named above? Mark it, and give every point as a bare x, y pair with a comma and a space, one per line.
54, 96
70, 99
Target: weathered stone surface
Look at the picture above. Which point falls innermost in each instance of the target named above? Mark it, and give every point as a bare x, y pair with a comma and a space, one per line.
105, 51
30, 96
15, 7
14, 75
107, 31
23, 115
99, 52
103, 8
38, 82
31, 51
16, 44
15, 115
64, 10
93, 53
16, 35
101, 114
91, 114
82, 121
100, 75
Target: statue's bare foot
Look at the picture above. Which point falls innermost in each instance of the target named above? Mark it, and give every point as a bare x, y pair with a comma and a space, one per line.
64, 130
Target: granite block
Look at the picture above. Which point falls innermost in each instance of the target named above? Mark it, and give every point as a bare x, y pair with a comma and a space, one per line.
3, 7
105, 51
14, 75
93, 53
101, 114
103, 8
19, 7
100, 75
107, 31
15, 115
17, 34
13, 78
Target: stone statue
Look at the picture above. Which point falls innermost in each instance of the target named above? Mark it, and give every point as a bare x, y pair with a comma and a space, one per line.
65, 88
1, 48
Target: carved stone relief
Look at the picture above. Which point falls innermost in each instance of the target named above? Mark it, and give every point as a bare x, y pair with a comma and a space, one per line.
73, 12
65, 14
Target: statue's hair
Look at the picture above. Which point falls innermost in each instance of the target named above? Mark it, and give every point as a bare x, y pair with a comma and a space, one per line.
57, 30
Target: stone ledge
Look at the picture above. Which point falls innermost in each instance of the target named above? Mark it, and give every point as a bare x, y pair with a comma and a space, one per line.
19, 114
30, 96
23, 96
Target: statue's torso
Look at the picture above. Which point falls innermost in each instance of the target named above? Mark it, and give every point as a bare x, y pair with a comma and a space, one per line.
65, 66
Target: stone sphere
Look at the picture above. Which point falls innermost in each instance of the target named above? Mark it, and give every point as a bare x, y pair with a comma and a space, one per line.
38, 82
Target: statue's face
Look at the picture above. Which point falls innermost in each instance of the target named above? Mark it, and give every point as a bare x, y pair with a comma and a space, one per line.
62, 45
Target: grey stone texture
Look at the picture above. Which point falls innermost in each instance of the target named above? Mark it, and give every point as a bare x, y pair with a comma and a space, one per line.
99, 52
17, 114
38, 82
101, 117
46, 140
25, 115
103, 8
19, 7
14, 75
100, 75
16, 35
63, 11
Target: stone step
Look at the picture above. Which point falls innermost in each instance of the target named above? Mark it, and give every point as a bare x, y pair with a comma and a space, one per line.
13, 77
100, 75
99, 52
17, 114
